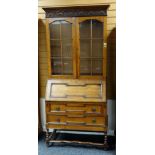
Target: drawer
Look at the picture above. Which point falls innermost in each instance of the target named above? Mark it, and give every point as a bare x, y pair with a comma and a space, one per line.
76, 108
77, 128
52, 119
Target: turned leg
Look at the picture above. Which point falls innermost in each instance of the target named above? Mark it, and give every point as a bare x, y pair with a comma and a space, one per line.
54, 134
47, 137
106, 146
51, 136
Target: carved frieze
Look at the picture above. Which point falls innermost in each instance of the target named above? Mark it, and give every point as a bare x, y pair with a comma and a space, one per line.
76, 11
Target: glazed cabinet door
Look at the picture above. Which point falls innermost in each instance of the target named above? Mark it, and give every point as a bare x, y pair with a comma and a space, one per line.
60, 33
91, 41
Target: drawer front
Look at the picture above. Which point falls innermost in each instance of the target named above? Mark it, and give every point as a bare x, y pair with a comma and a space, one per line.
64, 120
76, 108
75, 127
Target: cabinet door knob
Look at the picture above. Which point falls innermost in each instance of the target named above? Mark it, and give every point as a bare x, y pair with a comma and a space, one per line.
94, 120
58, 120
57, 108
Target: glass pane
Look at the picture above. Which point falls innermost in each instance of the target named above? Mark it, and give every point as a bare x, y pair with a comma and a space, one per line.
67, 48
67, 67
55, 48
66, 30
97, 29
85, 67
97, 48
85, 50
61, 47
85, 29
56, 66
97, 67
55, 30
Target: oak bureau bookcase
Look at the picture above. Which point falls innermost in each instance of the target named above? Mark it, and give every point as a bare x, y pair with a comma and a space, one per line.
77, 53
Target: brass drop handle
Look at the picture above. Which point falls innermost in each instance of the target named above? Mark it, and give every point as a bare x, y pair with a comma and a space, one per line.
94, 120
93, 109
58, 120
57, 108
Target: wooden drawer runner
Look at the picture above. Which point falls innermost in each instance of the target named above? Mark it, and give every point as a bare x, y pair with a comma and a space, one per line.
76, 109
64, 120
